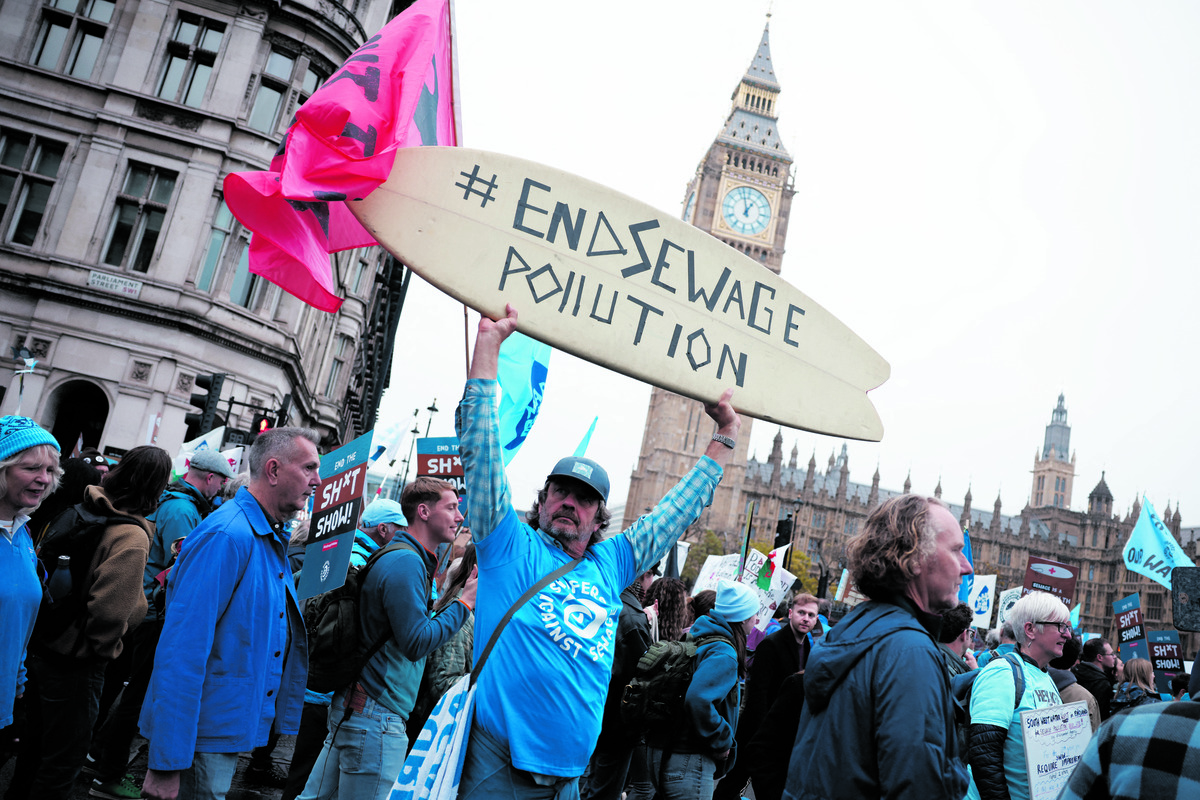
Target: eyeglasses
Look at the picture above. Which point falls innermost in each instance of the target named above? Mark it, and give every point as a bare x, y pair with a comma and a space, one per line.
1063, 627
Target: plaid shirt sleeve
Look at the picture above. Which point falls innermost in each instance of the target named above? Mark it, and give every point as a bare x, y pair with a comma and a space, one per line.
655, 533
1148, 751
477, 422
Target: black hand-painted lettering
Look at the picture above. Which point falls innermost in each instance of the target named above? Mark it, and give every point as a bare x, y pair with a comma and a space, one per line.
735, 296
612, 305
663, 264
758, 287
368, 81
791, 326
319, 210
674, 340
634, 230
524, 205
508, 268
646, 309
562, 216
533, 276
579, 295
367, 137
616, 247
739, 369
469, 187
566, 298
697, 293
691, 340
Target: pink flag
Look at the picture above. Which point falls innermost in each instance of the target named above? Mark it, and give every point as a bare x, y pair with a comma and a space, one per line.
396, 90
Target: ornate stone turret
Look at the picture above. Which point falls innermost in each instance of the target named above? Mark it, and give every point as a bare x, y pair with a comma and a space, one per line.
908, 482
792, 462
937, 491
812, 471
1053, 473
1100, 499
873, 499
996, 514
843, 474
777, 460
965, 519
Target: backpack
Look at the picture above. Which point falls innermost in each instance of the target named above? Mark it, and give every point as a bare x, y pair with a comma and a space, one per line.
76, 533
960, 689
336, 652
664, 672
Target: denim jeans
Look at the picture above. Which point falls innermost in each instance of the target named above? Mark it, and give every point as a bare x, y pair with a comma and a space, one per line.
677, 776
63, 696
362, 756
488, 773
209, 776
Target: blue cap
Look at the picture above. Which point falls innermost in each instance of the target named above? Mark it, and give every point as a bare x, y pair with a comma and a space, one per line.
383, 510
18, 434
585, 471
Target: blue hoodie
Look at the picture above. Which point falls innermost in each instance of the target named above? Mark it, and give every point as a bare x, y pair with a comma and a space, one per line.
878, 719
710, 707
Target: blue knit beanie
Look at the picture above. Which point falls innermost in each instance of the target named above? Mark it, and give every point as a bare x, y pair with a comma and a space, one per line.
18, 434
736, 602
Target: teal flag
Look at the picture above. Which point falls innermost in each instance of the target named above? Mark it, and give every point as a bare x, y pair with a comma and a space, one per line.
581, 451
968, 581
1075, 617
524, 364
1152, 550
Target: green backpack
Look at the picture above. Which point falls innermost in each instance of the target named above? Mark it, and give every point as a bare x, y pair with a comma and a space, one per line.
664, 672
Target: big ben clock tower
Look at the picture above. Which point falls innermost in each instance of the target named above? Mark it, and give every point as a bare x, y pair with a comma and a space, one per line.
741, 194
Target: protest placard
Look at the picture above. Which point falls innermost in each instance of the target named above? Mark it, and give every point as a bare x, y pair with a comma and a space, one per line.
1056, 578
337, 506
1055, 738
1131, 632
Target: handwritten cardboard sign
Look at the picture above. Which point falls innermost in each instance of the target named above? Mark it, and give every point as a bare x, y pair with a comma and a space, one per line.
1054, 577
716, 568
1055, 738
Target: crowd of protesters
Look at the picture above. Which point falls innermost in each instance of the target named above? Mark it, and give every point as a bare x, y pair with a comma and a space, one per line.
185, 626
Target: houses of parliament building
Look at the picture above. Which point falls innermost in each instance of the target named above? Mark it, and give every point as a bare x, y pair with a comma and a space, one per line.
741, 194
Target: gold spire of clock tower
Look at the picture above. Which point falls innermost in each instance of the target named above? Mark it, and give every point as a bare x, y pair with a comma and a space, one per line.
742, 194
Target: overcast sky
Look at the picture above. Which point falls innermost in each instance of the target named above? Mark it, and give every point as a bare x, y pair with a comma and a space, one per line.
1002, 198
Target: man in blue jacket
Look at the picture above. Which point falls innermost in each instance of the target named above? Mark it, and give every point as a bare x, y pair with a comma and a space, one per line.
183, 506
878, 719
239, 657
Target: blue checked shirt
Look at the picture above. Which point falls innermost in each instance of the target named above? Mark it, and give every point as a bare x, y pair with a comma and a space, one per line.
541, 692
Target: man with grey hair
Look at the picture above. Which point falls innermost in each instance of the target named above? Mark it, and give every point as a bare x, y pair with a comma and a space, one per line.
878, 720
238, 654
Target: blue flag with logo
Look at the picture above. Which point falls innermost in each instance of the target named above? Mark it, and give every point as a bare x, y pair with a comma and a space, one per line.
1152, 550
964, 588
522, 371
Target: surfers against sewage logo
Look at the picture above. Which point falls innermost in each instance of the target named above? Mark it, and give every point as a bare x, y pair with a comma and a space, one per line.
576, 616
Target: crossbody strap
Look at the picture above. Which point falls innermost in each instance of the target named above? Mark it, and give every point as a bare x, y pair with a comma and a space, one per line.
522, 600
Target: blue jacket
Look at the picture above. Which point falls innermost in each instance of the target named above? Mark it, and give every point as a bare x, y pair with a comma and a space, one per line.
180, 509
20, 598
233, 657
878, 719
710, 707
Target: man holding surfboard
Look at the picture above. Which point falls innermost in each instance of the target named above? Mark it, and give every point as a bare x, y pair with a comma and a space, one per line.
541, 692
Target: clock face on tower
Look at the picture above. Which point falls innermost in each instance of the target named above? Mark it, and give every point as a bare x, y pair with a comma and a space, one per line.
687, 210
746, 210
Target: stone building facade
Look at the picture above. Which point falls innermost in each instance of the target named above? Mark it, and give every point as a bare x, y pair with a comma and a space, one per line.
121, 269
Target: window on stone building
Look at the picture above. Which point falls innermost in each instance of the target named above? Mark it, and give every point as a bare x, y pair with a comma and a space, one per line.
818, 520
137, 221
191, 54
1154, 605
282, 73
1087, 603
814, 546
1091, 573
1112, 573
341, 355
850, 527
218, 243
70, 36
28, 168
249, 290
362, 268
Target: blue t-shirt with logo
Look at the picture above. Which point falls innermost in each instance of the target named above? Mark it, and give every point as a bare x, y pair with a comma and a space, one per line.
562, 638
992, 699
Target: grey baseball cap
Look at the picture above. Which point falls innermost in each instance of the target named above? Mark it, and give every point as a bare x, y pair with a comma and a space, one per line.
585, 471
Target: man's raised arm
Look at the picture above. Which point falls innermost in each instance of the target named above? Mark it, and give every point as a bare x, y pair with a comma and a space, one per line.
654, 534
477, 424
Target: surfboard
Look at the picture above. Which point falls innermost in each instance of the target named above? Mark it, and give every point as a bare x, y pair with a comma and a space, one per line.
614, 281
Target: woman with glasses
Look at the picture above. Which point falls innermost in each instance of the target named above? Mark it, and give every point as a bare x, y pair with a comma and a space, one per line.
1041, 624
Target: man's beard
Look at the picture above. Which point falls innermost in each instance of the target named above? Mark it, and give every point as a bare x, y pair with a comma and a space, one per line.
560, 533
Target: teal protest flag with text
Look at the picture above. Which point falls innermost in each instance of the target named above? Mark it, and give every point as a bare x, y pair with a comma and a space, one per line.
1152, 550
524, 364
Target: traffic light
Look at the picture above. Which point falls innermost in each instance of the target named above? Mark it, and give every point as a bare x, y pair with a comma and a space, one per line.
207, 403
261, 424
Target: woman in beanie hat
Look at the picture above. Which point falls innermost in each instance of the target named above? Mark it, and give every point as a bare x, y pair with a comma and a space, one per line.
29, 472
685, 761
